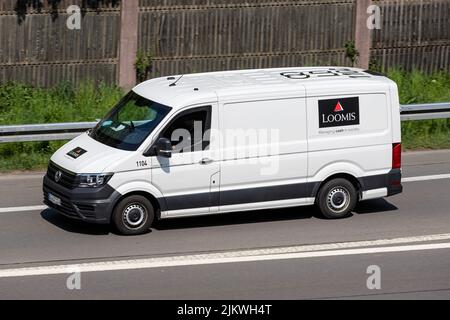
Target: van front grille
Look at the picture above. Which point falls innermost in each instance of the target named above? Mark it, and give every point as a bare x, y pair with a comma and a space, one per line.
68, 179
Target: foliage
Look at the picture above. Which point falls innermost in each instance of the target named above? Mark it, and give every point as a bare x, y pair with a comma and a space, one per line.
375, 65
351, 52
23, 104
143, 65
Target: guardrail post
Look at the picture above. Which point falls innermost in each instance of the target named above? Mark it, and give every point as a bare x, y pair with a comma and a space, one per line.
129, 18
362, 33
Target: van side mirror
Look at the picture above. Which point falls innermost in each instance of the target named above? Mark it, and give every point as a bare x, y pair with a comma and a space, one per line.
163, 148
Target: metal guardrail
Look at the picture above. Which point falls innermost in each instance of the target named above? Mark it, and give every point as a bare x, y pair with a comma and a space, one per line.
43, 132
425, 111
66, 131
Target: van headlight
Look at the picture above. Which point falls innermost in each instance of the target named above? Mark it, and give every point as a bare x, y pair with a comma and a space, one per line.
92, 180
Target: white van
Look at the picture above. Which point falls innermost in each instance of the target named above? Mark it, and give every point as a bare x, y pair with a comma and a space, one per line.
219, 142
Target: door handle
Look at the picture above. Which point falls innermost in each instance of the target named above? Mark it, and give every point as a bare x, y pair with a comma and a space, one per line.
206, 161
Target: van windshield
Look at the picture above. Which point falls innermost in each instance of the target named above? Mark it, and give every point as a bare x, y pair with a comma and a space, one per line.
130, 122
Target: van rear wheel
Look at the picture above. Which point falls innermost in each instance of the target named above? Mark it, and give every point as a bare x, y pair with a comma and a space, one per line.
133, 215
337, 198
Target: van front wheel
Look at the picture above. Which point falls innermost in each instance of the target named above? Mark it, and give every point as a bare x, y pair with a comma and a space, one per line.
337, 198
133, 215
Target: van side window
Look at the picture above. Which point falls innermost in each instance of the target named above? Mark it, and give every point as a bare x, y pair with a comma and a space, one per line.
187, 130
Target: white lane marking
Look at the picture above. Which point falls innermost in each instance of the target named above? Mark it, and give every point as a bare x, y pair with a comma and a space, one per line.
426, 178
267, 254
20, 209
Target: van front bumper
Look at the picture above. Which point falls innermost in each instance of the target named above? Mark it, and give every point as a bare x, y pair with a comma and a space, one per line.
93, 205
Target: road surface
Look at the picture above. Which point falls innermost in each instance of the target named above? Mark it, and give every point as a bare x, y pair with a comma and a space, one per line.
273, 254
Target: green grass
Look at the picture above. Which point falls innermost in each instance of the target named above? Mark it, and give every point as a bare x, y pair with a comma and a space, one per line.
22, 104
416, 87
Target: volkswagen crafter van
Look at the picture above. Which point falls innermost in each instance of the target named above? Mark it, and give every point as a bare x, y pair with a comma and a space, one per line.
219, 142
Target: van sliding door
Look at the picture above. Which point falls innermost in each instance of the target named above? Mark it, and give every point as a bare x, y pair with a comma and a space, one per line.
264, 153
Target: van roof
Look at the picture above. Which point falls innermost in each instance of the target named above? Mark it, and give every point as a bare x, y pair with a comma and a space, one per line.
181, 90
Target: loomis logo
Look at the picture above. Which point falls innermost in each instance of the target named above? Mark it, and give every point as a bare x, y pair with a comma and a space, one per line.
338, 112
338, 107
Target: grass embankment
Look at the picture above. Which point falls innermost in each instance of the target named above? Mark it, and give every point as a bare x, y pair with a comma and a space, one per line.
21, 104
416, 87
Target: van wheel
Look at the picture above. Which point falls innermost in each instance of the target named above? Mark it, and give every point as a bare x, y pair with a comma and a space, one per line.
337, 199
133, 215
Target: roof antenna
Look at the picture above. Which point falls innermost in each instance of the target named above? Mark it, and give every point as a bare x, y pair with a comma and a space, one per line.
175, 83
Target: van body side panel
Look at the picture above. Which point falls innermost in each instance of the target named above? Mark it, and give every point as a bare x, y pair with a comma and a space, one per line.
264, 153
362, 149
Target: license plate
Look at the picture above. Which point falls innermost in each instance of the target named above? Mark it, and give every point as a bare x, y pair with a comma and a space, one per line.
53, 199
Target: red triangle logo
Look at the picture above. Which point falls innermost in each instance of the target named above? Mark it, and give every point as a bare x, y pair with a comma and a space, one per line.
338, 107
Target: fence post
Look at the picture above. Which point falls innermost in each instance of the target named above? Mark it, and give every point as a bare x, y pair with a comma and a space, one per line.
129, 17
362, 33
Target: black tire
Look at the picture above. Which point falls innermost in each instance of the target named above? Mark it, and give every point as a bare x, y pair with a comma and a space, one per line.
337, 198
133, 215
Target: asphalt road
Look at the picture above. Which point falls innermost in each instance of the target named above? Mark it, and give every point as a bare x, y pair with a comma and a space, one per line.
33, 239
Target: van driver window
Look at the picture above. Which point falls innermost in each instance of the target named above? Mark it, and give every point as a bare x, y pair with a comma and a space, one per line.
187, 131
